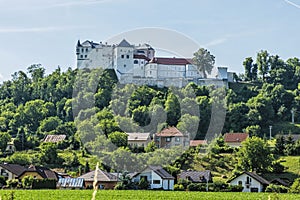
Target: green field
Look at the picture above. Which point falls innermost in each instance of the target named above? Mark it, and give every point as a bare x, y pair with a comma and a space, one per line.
113, 194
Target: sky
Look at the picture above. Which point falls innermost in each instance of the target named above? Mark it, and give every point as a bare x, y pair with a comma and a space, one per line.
46, 32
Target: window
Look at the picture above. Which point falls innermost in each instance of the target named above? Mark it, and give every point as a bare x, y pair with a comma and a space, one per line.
156, 181
142, 62
82, 50
240, 183
81, 56
127, 56
177, 139
135, 62
168, 139
86, 50
85, 56
122, 56
144, 177
124, 66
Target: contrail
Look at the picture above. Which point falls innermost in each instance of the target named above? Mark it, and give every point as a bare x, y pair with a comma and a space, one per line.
292, 3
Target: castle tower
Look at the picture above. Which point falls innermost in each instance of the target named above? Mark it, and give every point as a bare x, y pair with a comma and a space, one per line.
123, 59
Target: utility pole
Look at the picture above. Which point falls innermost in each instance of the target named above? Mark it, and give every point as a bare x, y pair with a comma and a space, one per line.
270, 132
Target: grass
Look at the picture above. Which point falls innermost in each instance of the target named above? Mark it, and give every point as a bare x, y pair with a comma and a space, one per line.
145, 195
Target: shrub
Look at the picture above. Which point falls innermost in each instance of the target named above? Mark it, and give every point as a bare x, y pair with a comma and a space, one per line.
2, 181
196, 187
44, 184
235, 188
179, 187
277, 188
143, 184
295, 188
184, 182
13, 183
218, 186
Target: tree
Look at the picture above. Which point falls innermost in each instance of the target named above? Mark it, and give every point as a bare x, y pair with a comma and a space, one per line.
141, 115
295, 188
118, 138
151, 146
204, 61
4, 139
27, 181
262, 61
255, 155
172, 108
248, 65
49, 153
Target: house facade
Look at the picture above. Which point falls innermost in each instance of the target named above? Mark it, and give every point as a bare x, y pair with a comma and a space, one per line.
250, 181
38, 172
170, 137
138, 139
157, 177
137, 64
235, 139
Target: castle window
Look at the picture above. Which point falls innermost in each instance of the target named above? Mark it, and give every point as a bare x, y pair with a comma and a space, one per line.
135, 62
86, 50
85, 56
124, 65
81, 56
122, 56
82, 50
142, 62
127, 56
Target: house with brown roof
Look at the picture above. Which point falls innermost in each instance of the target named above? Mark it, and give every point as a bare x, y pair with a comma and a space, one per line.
11, 171
105, 180
138, 139
235, 139
196, 176
170, 137
54, 138
38, 172
250, 181
195, 143
157, 177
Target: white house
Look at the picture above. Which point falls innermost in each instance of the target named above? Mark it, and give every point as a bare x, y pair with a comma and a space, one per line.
250, 181
157, 177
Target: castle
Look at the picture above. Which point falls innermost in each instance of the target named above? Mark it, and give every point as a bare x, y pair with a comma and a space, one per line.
139, 65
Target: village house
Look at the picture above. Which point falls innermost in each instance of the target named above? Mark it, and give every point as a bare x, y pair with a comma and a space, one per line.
105, 180
196, 176
235, 139
11, 171
138, 139
157, 177
250, 181
170, 137
38, 172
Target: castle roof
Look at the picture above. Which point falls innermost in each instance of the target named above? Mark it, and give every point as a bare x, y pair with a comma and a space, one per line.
138, 56
124, 43
171, 61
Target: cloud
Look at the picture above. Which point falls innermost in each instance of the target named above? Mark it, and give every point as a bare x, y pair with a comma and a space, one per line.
36, 29
292, 3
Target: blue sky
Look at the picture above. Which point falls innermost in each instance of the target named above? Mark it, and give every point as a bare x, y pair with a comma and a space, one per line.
46, 32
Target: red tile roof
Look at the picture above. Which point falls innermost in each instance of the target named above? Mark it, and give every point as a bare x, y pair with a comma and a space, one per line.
171, 61
194, 143
170, 131
235, 137
137, 56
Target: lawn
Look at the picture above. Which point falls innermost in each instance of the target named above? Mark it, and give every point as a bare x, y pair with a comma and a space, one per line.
113, 194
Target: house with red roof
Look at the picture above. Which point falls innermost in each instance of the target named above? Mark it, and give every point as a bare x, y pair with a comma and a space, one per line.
170, 137
235, 139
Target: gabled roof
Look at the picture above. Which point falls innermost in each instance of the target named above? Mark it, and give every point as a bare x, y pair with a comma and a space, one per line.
171, 61
102, 176
279, 181
138, 136
194, 143
196, 176
124, 43
13, 168
158, 170
54, 138
42, 171
170, 132
253, 175
88, 43
235, 137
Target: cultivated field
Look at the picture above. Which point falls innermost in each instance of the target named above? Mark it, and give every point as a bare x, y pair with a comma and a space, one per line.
112, 194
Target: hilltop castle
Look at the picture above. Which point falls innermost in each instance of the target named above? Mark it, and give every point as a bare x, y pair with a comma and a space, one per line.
138, 65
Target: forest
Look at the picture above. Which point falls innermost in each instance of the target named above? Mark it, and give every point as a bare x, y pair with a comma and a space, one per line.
94, 111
